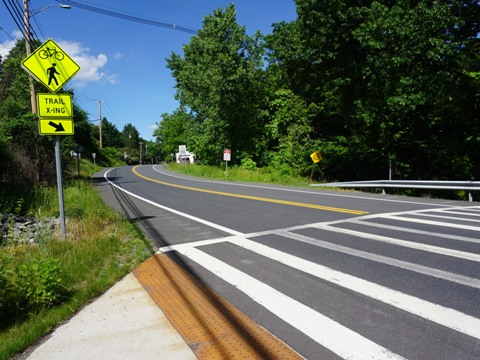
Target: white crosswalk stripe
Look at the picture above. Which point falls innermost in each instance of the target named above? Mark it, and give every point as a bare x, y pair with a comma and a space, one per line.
326, 331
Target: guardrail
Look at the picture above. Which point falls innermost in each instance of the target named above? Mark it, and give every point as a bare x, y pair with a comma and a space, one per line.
409, 184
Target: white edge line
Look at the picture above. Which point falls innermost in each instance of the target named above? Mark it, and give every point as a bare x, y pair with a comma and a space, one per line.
191, 217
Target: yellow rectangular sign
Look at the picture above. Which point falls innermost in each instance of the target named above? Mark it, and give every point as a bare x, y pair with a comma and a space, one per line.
55, 105
55, 126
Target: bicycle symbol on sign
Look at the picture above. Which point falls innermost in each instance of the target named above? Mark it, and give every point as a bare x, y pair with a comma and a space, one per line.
47, 52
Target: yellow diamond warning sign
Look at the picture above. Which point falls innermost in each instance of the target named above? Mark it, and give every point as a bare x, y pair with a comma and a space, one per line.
55, 105
50, 65
316, 156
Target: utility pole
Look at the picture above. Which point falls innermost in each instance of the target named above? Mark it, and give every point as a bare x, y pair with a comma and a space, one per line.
28, 48
141, 144
100, 121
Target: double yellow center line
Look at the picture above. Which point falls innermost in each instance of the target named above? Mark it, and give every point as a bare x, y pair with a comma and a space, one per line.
256, 198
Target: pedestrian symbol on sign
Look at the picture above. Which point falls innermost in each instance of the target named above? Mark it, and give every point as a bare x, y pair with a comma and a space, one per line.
51, 74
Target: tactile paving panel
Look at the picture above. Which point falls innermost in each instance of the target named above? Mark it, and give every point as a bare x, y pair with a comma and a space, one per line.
211, 326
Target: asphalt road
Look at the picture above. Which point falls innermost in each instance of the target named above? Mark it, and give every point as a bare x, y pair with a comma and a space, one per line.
335, 275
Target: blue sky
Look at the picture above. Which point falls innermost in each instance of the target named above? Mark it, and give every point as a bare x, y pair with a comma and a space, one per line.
123, 62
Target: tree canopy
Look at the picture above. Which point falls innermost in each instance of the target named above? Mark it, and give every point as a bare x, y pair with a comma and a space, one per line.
364, 82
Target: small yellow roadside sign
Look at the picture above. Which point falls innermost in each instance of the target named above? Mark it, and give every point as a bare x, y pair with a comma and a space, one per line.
50, 65
55, 105
55, 126
316, 156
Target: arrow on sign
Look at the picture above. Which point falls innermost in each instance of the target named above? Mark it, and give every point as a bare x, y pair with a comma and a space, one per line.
58, 127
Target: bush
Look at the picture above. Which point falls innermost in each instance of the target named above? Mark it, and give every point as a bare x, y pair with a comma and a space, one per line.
248, 163
38, 282
5, 287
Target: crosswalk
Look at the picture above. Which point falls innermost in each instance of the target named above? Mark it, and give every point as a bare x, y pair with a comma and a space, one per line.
403, 285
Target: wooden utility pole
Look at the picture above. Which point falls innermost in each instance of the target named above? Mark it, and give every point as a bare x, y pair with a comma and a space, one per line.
100, 121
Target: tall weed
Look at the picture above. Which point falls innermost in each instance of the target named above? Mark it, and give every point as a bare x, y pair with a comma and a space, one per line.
38, 282
241, 173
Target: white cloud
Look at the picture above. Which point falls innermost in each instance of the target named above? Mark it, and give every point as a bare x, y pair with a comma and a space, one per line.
117, 56
152, 127
90, 65
6, 47
9, 44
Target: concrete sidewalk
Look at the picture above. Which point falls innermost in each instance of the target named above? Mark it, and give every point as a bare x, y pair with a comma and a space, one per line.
124, 323
160, 311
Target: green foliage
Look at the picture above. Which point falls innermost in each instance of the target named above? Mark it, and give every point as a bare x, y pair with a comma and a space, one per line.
219, 80
270, 174
414, 88
289, 129
42, 285
111, 136
247, 163
39, 282
6, 288
176, 129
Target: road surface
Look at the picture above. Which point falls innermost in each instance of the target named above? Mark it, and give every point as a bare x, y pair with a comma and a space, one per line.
335, 275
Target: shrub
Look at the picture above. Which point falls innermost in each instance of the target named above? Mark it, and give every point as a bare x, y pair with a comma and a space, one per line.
248, 163
5, 287
39, 282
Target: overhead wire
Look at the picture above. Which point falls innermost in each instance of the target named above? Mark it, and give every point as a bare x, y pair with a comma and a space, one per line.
6, 33
17, 15
109, 109
10, 36
129, 17
21, 28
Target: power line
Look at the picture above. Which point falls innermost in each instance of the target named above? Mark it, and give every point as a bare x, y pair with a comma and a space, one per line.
20, 16
16, 13
111, 112
21, 28
10, 36
2, 43
129, 17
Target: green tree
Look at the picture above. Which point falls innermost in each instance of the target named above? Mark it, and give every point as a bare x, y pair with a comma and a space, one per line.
111, 136
176, 129
389, 79
219, 80
288, 131
317, 57
417, 102
131, 139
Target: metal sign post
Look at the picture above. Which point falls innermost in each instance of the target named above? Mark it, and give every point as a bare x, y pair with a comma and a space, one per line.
316, 158
227, 156
58, 162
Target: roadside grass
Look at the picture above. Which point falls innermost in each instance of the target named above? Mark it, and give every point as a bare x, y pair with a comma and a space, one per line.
101, 248
238, 173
